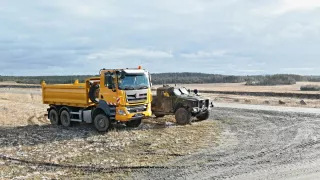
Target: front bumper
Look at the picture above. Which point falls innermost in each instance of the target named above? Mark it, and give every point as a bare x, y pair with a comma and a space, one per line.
203, 109
197, 110
129, 116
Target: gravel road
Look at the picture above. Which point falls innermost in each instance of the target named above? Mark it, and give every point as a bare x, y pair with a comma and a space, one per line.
257, 142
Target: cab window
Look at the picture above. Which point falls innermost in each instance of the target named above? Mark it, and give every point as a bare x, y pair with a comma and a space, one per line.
108, 80
177, 92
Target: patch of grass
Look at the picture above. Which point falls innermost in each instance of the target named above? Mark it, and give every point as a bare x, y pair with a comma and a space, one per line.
310, 88
228, 121
20, 171
278, 79
152, 144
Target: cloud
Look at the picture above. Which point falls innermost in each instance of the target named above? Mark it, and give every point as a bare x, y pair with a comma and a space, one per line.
205, 54
286, 6
130, 53
231, 36
250, 70
281, 7
298, 69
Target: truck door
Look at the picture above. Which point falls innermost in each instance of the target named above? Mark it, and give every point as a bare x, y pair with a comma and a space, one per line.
167, 102
108, 88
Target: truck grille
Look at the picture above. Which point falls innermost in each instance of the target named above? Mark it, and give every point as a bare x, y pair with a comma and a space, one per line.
201, 103
207, 103
204, 103
137, 98
135, 109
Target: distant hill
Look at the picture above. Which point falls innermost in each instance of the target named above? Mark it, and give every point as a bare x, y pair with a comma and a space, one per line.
179, 78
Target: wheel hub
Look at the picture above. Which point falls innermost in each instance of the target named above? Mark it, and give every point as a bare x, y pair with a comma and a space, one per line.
101, 123
65, 119
53, 117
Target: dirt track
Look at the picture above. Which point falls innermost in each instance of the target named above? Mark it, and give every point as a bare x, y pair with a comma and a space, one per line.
252, 142
254, 145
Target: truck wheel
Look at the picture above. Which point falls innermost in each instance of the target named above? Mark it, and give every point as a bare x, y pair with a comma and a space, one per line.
65, 118
134, 123
203, 116
101, 122
54, 117
159, 115
183, 116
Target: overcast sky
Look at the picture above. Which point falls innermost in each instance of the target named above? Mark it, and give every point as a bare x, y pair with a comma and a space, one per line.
68, 37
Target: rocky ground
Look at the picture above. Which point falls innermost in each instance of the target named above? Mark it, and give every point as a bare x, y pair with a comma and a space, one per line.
253, 145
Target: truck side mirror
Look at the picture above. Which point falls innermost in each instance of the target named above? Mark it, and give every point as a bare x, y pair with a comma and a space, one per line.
113, 87
195, 91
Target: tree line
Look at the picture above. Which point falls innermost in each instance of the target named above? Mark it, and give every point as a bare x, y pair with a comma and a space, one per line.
178, 78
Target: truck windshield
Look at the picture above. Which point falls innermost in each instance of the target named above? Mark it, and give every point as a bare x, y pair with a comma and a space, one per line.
133, 81
184, 91
177, 92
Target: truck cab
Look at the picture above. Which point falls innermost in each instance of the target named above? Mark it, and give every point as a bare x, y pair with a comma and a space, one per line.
126, 90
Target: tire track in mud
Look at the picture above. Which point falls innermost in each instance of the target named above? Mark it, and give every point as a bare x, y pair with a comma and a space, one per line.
252, 141
89, 168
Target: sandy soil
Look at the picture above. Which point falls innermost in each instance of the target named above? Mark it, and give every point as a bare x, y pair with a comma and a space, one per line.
21, 109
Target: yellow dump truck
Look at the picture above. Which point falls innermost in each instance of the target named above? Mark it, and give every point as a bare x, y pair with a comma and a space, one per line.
116, 96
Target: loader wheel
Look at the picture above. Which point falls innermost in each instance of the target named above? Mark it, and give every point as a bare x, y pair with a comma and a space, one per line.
183, 116
65, 118
54, 117
94, 93
203, 116
101, 122
134, 123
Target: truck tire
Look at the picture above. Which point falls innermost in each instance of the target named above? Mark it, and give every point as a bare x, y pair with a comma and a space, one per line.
159, 115
183, 116
134, 123
54, 117
92, 93
65, 118
204, 116
101, 122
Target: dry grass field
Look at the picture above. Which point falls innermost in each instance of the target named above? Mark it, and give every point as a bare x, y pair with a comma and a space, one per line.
26, 134
295, 88
243, 88
264, 100
260, 100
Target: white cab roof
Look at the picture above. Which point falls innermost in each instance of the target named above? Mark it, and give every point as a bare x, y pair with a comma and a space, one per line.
134, 71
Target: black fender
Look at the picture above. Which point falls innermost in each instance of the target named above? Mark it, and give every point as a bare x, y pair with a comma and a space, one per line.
179, 105
51, 107
101, 107
64, 108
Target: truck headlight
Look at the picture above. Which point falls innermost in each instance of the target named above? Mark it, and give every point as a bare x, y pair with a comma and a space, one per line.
121, 112
194, 109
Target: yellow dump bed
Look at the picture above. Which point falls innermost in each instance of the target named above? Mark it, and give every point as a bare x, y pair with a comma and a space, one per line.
75, 94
